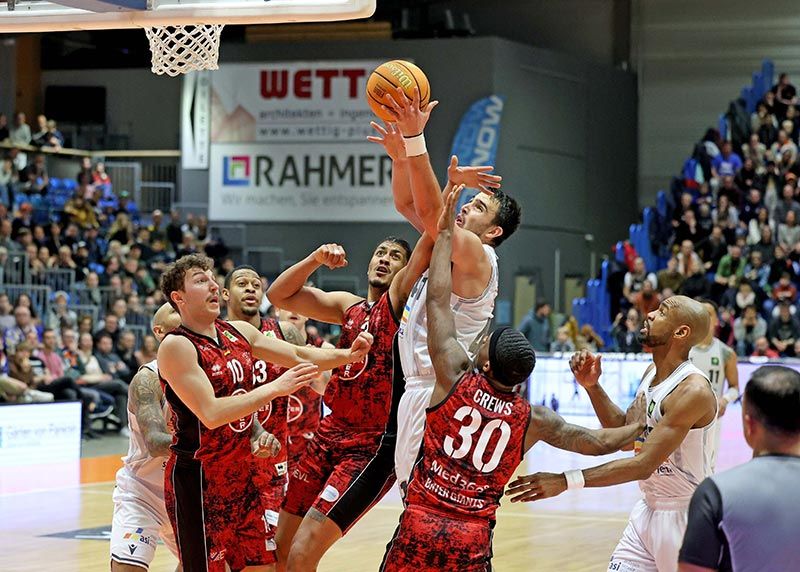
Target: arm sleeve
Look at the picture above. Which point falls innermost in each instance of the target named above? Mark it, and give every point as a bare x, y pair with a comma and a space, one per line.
704, 541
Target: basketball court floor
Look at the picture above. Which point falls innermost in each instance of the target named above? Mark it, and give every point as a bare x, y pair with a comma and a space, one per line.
59, 517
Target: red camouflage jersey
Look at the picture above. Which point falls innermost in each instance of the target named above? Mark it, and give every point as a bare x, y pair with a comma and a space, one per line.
473, 442
305, 407
273, 415
359, 394
228, 363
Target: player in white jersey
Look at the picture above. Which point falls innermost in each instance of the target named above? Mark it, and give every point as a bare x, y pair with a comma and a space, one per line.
717, 361
671, 457
482, 225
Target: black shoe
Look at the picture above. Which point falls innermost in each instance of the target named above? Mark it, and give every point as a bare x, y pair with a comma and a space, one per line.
89, 435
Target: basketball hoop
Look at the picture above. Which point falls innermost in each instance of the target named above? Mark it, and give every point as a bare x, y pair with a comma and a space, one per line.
180, 49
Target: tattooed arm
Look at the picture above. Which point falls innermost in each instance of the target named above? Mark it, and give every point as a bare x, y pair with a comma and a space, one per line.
145, 401
551, 428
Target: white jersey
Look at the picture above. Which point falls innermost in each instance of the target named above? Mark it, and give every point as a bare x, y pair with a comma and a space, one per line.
686, 467
711, 361
472, 318
142, 475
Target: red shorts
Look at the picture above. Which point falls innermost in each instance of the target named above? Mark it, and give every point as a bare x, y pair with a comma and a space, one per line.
270, 479
427, 541
217, 515
342, 475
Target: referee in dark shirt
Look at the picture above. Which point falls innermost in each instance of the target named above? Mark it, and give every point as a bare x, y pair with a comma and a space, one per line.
747, 519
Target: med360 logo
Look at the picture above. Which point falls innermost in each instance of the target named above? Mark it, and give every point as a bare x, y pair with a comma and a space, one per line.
236, 170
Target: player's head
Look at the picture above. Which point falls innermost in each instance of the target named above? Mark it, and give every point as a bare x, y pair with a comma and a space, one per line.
189, 285
297, 320
165, 320
506, 357
712, 310
678, 321
770, 405
243, 291
492, 217
389, 257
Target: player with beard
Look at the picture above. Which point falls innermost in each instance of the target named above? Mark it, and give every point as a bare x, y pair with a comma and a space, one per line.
345, 469
206, 368
671, 457
305, 405
242, 293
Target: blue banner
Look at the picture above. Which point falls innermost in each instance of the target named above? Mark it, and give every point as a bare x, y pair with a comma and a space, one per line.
475, 142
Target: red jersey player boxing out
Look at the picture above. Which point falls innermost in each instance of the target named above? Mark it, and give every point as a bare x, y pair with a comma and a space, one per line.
206, 366
242, 293
477, 430
673, 455
342, 474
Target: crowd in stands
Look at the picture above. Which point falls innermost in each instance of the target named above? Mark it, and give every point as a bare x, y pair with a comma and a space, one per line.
79, 274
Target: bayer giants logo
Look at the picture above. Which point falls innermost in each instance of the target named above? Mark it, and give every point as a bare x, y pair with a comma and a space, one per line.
295, 409
244, 423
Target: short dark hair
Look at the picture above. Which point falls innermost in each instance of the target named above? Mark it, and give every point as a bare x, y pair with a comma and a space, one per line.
229, 276
540, 303
101, 335
513, 358
399, 242
175, 274
773, 396
507, 217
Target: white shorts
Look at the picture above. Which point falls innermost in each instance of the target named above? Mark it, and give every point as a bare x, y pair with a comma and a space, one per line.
135, 530
410, 428
651, 541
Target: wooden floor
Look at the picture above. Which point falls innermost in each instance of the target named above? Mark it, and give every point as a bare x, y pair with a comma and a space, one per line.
574, 532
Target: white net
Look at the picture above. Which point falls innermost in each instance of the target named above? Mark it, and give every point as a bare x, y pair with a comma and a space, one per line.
180, 49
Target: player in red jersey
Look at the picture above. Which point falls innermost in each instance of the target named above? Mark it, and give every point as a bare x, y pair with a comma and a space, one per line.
477, 431
305, 405
242, 293
342, 473
206, 367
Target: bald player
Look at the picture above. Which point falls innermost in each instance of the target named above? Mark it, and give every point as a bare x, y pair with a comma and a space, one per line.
671, 456
718, 362
140, 517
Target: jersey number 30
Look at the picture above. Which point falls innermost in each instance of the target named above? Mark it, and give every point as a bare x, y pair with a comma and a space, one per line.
471, 421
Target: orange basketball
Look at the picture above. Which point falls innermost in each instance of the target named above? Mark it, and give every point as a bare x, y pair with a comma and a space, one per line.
393, 74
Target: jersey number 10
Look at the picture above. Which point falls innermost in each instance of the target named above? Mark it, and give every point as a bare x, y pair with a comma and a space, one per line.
472, 420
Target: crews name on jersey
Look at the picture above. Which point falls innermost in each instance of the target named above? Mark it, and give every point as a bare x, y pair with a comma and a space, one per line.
492, 403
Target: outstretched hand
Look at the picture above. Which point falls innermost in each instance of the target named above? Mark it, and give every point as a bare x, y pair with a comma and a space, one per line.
478, 177
536, 487
266, 445
361, 346
391, 139
409, 115
586, 368
447, 219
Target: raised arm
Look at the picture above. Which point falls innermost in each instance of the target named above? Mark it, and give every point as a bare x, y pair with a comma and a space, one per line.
177, 362
392, 141
691, 404
289, 291
449, 359
288, 355
587, 369
145, 400
548, 426
403, 283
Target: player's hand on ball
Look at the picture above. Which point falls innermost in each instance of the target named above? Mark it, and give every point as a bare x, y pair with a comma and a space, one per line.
292, 380
473, 177
447, 219
331, 255
266, 445
411, 119
586, 368
391, 139
536, 487
361, 346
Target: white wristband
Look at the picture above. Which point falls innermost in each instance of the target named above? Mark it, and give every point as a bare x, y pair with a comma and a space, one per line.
574, 479
731, 395
415, 146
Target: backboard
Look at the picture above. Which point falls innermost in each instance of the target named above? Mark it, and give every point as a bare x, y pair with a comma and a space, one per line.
64, 15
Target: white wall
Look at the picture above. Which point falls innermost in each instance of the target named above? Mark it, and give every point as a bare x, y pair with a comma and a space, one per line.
692, 58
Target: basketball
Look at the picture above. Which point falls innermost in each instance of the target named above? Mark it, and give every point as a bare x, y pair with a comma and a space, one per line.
393, 74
